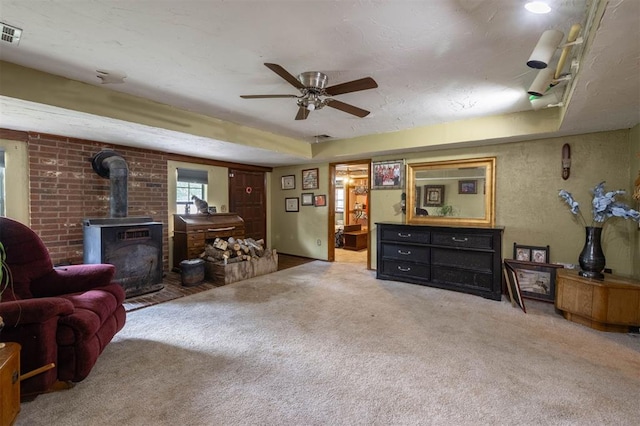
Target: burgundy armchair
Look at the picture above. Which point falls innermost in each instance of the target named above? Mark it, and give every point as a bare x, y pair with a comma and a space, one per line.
65, 315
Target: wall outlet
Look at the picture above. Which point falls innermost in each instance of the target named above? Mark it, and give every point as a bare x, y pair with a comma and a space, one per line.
319, 242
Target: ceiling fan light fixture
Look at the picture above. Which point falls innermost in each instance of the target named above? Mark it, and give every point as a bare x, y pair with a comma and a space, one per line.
313, 79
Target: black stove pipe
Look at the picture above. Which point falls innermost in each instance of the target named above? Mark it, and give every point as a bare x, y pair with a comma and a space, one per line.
109, 164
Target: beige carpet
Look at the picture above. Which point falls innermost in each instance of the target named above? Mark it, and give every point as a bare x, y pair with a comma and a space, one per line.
328, 344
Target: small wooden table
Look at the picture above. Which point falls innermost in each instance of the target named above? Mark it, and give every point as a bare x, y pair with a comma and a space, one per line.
612, 304
355, 240
9, 383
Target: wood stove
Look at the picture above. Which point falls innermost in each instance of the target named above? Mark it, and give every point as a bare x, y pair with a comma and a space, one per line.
132, 244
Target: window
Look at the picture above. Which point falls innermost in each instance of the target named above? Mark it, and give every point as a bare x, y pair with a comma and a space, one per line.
190, 183
2, 202
339, 200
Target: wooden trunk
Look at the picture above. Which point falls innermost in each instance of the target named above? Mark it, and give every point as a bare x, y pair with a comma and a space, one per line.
222, 274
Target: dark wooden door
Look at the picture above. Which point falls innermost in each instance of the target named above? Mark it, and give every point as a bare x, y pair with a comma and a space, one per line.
247, 198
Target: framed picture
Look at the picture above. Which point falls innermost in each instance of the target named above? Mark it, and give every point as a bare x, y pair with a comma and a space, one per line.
387, 174
310, 179
434, 195
291, 204
306, 198
288, 182
468, 186
513, 287
531, 253
320, 200
536, 280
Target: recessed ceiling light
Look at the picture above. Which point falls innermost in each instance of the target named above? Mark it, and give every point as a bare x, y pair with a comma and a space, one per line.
537, 7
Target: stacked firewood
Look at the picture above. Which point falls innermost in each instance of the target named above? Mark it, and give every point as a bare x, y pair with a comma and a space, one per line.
233, 250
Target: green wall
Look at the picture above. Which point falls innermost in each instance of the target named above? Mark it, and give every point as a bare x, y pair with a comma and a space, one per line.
298, 233
634, 156
528, 178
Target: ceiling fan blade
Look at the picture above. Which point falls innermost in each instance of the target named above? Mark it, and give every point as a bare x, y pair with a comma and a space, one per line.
303, 113
285, 74
266, 96
351, 86
347, 108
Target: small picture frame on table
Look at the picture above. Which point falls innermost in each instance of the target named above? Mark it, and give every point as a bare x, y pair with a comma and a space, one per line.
310, 179
288, 182
531, 253
291, 204
535, 280
306, 199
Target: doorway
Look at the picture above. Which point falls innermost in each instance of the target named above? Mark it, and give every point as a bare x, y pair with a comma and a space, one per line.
350, 211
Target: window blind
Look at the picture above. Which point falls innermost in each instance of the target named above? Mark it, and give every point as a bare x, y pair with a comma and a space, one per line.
193, 176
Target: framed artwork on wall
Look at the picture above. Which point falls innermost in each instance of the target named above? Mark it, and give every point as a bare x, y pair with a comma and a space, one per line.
291, 204
306, 198
310, 179
288, 182
387, 174
320, 200
468, 186
434, 195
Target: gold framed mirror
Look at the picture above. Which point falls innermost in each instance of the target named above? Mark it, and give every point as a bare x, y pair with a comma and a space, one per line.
454, 193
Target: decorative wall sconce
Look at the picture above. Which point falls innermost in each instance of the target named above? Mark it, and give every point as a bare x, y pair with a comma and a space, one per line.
566, 161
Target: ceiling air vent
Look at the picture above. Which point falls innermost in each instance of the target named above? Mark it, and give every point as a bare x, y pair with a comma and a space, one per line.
10, 34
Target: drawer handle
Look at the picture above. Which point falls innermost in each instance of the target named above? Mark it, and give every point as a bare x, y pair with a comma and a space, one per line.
14, 377
406, 253
403, 269
400, 234
464, 240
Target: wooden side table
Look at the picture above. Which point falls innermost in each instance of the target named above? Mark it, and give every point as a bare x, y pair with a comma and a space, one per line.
9, 383
609, 305
355, 240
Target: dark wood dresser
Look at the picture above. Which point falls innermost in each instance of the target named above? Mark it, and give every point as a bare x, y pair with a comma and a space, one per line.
191, 232
462, 259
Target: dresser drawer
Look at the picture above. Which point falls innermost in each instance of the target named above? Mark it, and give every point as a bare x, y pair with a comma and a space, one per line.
405, 234
406, 252
402, 270
456, 239
470, 279
197, 236
475, 260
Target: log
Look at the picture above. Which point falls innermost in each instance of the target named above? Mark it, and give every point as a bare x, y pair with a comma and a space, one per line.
237, 270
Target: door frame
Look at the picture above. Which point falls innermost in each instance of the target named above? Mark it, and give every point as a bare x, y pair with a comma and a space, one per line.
331, 228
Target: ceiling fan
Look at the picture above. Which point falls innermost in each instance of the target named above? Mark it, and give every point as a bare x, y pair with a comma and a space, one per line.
312, 86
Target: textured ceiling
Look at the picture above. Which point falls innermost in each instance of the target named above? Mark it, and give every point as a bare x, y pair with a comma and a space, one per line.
437, 61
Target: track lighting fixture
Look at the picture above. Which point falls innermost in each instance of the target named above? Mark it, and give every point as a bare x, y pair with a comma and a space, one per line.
544, 50
541, 83
552, 99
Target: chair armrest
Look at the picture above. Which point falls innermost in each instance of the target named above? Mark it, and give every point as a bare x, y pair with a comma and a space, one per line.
72, 279
33, 311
